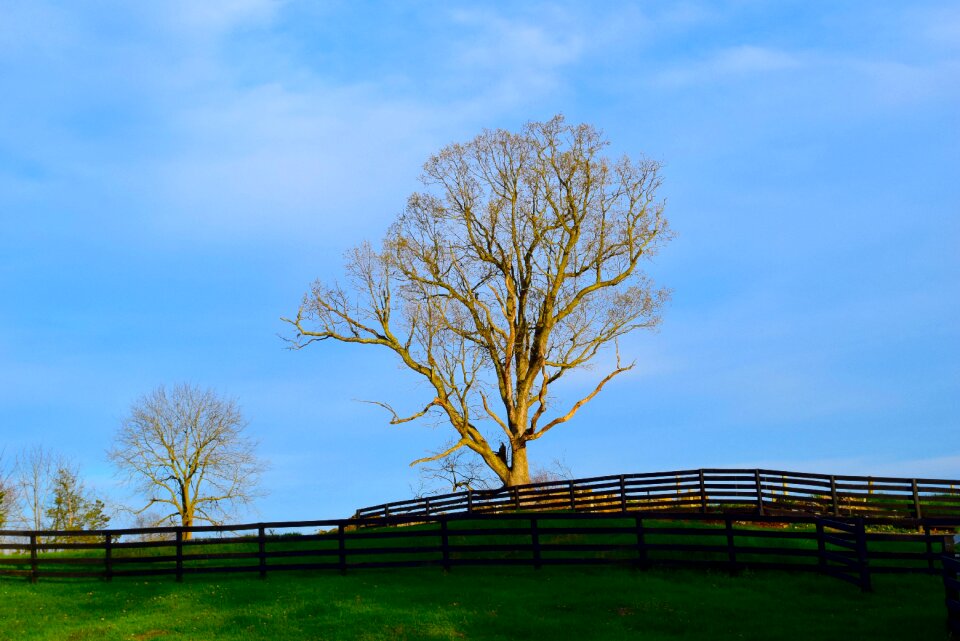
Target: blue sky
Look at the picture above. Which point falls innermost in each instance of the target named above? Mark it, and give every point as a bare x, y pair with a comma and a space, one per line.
173, 177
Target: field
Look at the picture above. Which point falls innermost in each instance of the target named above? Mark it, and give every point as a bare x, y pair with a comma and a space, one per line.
475, 603
492, 589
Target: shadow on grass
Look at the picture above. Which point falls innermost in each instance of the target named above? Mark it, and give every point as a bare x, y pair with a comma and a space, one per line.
475, 603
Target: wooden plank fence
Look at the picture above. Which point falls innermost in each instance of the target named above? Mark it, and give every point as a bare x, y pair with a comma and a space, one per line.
951, 584
843, 551
756, 491
847, 548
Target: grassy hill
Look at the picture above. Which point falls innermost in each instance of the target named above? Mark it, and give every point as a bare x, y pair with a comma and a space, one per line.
556, 603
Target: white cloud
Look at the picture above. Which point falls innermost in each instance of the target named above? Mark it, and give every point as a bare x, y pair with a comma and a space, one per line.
899, 83
751, 59
221, 152
732, 62
212, 17
502, 42
303, 153
939, 27
686, 14
272, 160
514, 57
833, 83
32, 27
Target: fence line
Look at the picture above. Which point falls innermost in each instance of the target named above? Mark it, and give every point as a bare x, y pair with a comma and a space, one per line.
758, 491
951, 583
845, 548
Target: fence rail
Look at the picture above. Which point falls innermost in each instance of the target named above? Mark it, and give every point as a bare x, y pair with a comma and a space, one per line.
705, 490
847, 548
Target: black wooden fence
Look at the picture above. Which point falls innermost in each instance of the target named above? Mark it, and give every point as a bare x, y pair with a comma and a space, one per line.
706, 490
847, 548
951, 583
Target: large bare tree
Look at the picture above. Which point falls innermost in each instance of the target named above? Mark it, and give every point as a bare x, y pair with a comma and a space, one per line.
520, 263
186, 450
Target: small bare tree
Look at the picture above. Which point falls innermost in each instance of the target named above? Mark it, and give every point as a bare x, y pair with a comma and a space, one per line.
6, 501
150, 519
186, 449
558, 470
34, 474
460, 470
8, 494
73, 507
519, 266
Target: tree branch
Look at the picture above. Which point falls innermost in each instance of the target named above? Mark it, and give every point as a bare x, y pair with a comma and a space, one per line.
447, 452
397, 420
586, 399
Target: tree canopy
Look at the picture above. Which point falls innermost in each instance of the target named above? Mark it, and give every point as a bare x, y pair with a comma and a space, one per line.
520, 263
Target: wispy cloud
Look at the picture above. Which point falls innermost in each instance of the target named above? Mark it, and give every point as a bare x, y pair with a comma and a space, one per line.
215, 16
516, 56
821, 84
938, 27
271, 160
217, 153
902, 83
731, 62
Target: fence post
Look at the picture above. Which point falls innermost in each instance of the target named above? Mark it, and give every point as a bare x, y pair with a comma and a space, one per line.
108, 557
180, 554
731, 547
469, 501
444, 544
703, 493
341, 549
916, 501
426, 506
641, 543
833, 495
862, 556
262, 551
34, 573
821, 547
623, 493
535, 540
756, 479
573, 497
516, 498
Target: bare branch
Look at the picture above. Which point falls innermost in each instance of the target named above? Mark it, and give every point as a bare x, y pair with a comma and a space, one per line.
397, 419
447, 452
583, 401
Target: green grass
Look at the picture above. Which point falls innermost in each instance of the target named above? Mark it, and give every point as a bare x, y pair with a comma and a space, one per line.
475, 603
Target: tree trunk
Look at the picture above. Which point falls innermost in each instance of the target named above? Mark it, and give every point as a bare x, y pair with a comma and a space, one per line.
519, 467
186, 519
